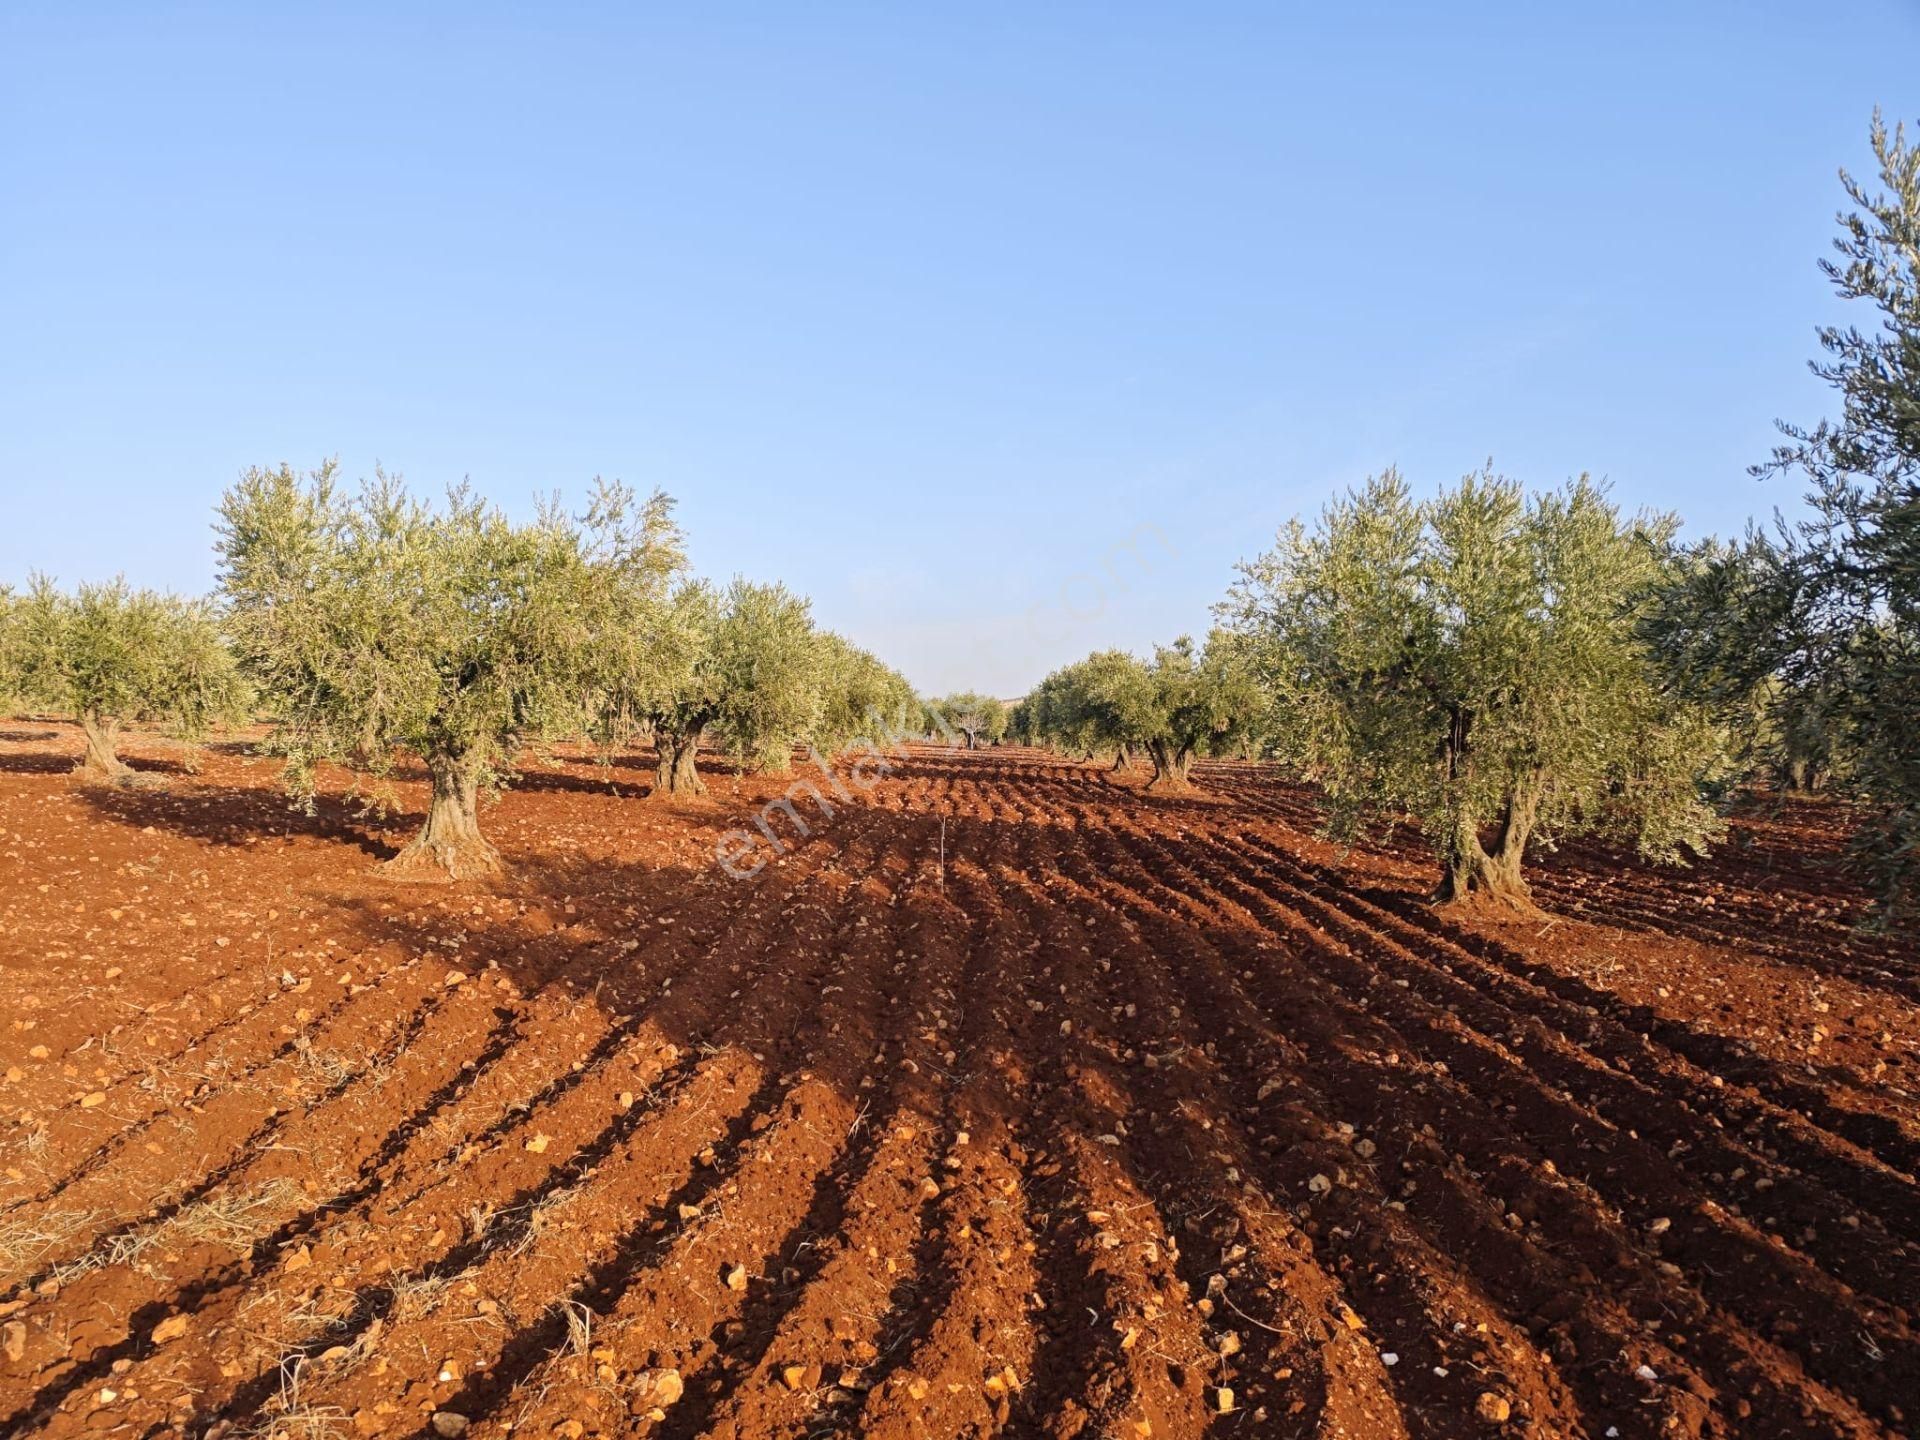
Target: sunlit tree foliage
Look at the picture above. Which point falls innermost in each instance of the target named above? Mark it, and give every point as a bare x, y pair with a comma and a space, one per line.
377, 624
1475, 660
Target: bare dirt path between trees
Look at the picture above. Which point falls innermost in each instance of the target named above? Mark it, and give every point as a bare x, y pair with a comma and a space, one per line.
1136, 1117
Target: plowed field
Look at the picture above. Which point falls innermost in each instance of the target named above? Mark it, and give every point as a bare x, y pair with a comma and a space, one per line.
1009, 1100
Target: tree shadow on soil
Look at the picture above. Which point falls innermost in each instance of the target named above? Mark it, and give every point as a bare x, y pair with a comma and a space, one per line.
232, 815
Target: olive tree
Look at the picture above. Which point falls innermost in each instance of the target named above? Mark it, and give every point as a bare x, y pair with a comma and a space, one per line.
108, 654
976, 717
1199, 701
1187, 701
1023, 726
1097, 704
746, 667
1475, 660
1826, 610
378, 624
1716, 626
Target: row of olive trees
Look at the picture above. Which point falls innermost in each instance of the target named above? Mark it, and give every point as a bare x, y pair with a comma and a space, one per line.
380, 626
1186, 701
1474, 661
368, 625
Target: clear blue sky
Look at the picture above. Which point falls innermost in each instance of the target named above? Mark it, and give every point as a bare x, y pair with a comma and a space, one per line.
923, 311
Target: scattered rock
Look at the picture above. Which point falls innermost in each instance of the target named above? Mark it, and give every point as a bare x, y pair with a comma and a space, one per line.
668, 1387
737, 1278
13, 1340
1491, 1407
97, 1097
171, 1328
450, 1424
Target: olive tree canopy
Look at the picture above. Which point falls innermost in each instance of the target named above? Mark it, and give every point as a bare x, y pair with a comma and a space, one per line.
746, 666
1093, 704
10, 609
108, 654
376, 624
1198, 701
860, 696
1475, 660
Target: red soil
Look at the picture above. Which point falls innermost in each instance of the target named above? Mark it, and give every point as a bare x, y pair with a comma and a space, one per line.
1130, 1103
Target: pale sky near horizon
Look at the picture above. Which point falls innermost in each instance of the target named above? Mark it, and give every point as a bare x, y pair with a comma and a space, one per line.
1002, 332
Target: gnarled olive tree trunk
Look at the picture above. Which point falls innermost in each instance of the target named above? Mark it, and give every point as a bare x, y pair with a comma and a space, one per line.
1171, 764
450, 845
100, 761
677, 773
1123, 758
1474, 873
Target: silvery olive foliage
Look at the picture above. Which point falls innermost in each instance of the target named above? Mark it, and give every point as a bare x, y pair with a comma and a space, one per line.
1475, 661
751, 673
861, 697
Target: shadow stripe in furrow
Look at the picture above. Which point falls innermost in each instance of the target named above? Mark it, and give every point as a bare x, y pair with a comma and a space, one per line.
1791, 1107
1418, 1306
973, 1231
944, 1356
266, 1016
248, 1106
1329, 1380
1084, 1371
841, 1041
1502, 1075
1646, 1097
1499, 1263
811, 1130
763, 898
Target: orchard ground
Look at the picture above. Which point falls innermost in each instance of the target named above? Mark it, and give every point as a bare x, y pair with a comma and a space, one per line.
1132, 1116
